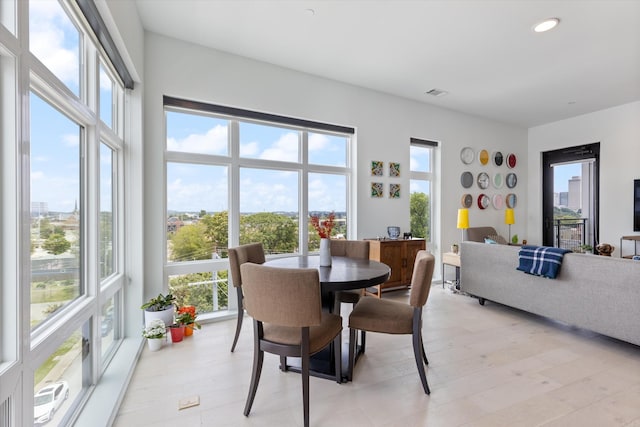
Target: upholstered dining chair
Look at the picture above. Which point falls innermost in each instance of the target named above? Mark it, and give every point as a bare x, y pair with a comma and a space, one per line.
288, 320
254, 253
358, 249
394, 317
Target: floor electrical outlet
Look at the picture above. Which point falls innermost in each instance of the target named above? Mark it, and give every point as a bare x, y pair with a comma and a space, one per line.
188, 402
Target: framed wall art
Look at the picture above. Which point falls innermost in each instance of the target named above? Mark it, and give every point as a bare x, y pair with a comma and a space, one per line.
394, 169
377, 189
377, 168
394, 191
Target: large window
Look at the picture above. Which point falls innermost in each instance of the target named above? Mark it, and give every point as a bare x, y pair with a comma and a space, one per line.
240, 178
61, 223
421, 185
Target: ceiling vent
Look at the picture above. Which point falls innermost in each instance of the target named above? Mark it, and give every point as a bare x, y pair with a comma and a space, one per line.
436, 92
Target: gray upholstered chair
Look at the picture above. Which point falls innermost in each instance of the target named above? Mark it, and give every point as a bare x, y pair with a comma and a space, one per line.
394, 317
288, 320
254, 253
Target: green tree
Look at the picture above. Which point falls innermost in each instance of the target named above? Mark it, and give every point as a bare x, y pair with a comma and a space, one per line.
277, 233
190, 243
56, 244
420, 214
216, 231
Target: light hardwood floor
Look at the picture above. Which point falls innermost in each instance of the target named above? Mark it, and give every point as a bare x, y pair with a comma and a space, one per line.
489, 366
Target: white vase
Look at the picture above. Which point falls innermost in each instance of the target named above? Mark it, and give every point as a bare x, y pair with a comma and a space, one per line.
155, 344
325, 253
165, 315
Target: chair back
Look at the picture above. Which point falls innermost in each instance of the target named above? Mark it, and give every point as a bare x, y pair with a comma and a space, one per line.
282, 296
253, 252
421, 278
350, 248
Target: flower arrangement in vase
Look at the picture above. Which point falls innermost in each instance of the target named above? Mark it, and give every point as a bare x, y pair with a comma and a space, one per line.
323, 228
155, 332
186, 316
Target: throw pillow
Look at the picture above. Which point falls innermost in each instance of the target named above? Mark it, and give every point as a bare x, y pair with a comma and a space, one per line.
498, 239
489, 241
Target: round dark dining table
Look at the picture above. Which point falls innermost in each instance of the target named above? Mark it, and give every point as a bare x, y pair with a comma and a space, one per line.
344, 273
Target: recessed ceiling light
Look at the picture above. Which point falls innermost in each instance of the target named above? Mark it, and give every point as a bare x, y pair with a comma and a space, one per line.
546, 25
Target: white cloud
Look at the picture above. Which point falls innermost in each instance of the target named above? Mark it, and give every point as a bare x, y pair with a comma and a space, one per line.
70, 140
284, 149
212, 142
54, 40
249, 149
318, 142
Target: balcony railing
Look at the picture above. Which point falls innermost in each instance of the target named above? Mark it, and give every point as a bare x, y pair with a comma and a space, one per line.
570, 233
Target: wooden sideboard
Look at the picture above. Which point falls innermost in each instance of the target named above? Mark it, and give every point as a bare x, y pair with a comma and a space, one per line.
400, 256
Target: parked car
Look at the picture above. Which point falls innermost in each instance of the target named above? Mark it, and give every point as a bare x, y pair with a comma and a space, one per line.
47, 401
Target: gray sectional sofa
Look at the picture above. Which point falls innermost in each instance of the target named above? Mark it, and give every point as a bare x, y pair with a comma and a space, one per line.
594, 292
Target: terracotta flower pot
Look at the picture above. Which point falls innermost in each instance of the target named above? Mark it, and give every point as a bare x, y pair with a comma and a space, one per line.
188, 330
177, 333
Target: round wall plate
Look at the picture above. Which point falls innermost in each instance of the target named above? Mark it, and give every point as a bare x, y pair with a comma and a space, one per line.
467, 155
483, 180
466, 201
512, 200
483, 157
483, 201
498, 158
511, 161
512, 180
497, 180
497, 201
466, 179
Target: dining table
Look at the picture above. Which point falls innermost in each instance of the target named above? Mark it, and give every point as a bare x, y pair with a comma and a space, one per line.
343, 274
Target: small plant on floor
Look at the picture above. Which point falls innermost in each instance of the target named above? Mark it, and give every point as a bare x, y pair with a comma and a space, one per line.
159, 303
155, 330
187, 315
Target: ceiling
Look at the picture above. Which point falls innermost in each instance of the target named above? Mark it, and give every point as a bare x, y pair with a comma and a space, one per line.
483, 53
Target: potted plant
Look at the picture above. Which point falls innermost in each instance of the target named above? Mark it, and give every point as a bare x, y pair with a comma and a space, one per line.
187, 316
155, 332
160, 307
586, 249
455, 248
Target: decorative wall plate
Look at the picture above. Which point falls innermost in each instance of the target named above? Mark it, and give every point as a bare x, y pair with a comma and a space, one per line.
511, 161
498, 158
466, 179
483, 201
483, 157
497, 201
497, 180
483, 180
512, 200
466, 201
512, 180
467, 155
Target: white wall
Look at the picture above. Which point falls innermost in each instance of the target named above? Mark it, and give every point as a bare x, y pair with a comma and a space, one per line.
384, 125
618, 131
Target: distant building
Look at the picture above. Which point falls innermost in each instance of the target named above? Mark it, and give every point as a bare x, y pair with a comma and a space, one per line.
174, 224
575, 193
563, 199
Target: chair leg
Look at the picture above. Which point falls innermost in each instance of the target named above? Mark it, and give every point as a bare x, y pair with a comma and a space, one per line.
424, 353
419, 354
258, 357
304, 356
337, 348
283, 364
352, 352
240, 317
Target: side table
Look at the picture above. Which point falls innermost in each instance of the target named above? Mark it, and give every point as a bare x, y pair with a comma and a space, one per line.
452, 259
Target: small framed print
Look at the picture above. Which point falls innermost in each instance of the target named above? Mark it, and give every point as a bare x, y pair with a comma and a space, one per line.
394, 169
377, 189
377, 168
394, 191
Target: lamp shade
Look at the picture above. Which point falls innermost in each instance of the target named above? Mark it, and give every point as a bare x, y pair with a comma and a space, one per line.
463, 218
509, 217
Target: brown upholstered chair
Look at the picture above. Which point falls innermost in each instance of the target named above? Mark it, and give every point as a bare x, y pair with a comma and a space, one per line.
288, 320
393, 317
351, 249
254, 253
